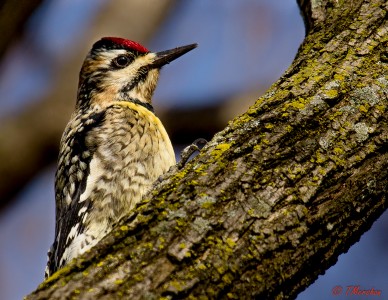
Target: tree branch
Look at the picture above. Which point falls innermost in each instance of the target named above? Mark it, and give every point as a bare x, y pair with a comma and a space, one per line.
272, 200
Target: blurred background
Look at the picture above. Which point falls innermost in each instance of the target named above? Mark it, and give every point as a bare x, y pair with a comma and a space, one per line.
244, 46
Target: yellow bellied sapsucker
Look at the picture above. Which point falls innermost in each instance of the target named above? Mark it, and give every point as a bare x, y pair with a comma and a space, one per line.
113, 148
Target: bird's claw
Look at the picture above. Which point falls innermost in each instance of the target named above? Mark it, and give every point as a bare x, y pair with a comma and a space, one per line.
197, 145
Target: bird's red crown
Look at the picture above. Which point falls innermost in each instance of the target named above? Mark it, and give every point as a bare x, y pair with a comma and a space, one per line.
127, 44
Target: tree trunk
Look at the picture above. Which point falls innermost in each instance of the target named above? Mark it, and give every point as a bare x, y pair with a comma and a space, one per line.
272, 200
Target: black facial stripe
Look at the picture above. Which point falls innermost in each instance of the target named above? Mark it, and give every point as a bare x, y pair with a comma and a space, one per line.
141, 76
114, 65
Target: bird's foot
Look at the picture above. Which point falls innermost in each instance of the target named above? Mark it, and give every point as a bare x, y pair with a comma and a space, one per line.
197, 145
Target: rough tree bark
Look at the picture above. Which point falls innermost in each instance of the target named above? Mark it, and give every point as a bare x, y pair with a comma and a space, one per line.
277, 196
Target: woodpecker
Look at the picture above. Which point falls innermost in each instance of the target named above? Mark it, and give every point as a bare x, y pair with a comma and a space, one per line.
112, 149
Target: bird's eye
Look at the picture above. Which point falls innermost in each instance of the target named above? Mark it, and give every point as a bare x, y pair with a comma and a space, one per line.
121, 61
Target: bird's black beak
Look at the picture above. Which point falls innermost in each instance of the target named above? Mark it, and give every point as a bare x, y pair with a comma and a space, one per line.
165, 57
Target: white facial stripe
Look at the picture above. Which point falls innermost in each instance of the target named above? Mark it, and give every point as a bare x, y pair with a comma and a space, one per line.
130, 71
140, 61
111, 54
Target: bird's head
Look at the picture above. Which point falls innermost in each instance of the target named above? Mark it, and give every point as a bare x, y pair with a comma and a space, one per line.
118, 69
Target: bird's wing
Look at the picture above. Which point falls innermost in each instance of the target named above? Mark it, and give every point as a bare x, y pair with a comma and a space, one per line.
71, 177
